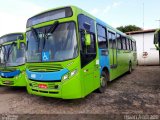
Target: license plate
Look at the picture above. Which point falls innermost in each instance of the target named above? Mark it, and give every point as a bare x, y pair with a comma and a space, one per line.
43, 86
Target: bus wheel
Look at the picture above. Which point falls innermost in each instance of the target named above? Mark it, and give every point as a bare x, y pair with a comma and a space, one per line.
103, 82
130, 68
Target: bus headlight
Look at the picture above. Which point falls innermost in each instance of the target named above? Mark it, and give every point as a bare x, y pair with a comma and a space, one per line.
69, 75
65, 77
73, 72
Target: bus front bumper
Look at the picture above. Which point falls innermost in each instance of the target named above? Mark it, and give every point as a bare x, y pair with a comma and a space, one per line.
17, 81
68, 89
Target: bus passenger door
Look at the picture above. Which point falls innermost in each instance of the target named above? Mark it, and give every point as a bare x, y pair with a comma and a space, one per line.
113, 53
103, 46
89, 58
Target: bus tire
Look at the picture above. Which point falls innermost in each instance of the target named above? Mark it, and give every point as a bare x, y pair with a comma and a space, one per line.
103, 82
130, 68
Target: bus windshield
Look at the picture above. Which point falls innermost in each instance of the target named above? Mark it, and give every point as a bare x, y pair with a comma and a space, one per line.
12, 56
9, 38
59, 45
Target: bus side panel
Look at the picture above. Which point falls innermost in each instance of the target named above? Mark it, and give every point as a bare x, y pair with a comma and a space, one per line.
71, 89
104, 61
119, 70
122, 64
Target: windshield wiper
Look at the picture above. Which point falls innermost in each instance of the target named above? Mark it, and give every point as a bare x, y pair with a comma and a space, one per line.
51, 30
35, 34
1, 54
44, 38
8, 53
53, 27
10, 50
4, 53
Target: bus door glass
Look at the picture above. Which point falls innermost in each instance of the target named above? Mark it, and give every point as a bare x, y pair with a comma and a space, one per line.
113, 49
103, 45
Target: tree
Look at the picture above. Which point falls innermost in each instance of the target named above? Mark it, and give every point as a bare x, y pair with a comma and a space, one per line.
129, 28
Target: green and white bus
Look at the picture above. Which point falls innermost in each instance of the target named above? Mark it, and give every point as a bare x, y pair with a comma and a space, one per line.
71, 53
12, 65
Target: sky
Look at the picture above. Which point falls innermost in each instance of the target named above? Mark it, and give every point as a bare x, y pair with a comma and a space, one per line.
14, 13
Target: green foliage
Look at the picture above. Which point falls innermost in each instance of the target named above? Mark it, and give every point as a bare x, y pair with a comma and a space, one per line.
129, 28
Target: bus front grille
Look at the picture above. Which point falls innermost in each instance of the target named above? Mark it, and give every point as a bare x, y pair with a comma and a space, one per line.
41, 91
45, 68
8, 82
8, 69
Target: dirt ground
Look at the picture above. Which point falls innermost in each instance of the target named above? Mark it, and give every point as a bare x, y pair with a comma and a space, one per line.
135, 93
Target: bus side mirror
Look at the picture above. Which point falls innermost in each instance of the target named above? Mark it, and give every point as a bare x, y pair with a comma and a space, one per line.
87, 39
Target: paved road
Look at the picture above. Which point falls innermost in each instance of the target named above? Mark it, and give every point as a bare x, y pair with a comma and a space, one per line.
136, 93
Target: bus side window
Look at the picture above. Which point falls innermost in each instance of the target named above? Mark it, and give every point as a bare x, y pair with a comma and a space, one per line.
131, 45
119, 42
124, 43
102, 37
128, 46
112, 40
134, 46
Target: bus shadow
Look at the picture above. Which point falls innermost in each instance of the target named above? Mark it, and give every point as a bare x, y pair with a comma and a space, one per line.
58, 102
10, 90
74, 102
120, 78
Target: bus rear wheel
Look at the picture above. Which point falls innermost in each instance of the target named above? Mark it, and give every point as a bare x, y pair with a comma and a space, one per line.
103, 82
